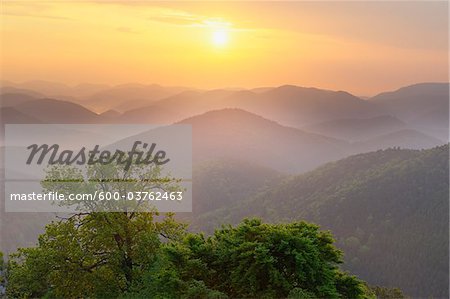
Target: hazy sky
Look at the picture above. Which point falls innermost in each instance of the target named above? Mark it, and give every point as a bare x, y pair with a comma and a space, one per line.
361, 47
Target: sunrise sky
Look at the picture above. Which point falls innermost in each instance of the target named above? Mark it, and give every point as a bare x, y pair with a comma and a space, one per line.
360, 47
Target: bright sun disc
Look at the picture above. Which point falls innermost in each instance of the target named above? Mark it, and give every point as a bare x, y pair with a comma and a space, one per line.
220, 37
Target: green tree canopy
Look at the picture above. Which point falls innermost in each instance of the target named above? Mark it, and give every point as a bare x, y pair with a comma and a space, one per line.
90, 253
142, 254
254, 260
108, 255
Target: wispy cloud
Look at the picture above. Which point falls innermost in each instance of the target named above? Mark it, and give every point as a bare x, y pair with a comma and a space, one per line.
29, 15
30, 10
182, 18
175, 20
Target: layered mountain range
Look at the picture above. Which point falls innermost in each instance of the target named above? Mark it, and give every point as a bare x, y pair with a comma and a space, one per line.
373, 171
317, 125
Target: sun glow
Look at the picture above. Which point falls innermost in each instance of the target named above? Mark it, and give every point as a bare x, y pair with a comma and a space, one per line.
220, 37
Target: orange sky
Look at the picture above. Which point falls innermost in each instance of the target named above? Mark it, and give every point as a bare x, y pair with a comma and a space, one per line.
360, 47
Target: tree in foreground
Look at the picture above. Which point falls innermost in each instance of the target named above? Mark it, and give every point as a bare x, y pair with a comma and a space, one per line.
101, 255
140, 254
92, 253
2, 276
387, 293
253, 260
82, 257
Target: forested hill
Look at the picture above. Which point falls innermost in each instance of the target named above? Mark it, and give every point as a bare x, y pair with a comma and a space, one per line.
388, 209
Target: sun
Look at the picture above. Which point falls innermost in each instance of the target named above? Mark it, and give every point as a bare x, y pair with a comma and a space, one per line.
220, 37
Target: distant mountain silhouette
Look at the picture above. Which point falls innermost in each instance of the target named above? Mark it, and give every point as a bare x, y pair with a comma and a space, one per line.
298, 106
150, 115
337, 114
55, 111
238, 134
407, 139
289, 105
357, 128
14, 90
129, 96
98, 97
54, 89
13, 99
110, 115
418, 104
235, 134
47, 88
84, 90
180, 106
423, 104
9, 115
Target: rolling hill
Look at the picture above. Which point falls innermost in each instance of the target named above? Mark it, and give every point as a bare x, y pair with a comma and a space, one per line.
128, 96
424, 104
288, 105
219, 184
406, 138
238, 134
13, 99
180, 106
15, 90
55, 111
388, 210
357, 129
298, 106
9, 115
56, 89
